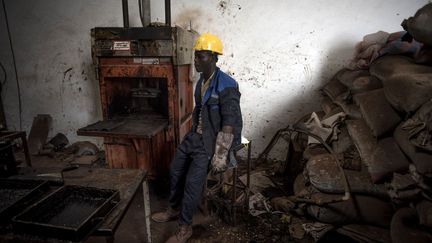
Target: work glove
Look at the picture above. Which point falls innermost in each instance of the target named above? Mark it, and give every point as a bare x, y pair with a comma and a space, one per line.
219, 161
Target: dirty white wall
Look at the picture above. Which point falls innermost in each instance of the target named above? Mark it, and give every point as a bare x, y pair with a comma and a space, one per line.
280, 52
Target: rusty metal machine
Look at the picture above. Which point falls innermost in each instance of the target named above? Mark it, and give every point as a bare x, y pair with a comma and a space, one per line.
145, 91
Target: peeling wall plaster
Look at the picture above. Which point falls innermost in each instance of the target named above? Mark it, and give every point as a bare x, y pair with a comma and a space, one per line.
280, 52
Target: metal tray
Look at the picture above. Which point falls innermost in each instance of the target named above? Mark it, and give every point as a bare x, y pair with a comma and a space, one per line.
70, 213
16, 195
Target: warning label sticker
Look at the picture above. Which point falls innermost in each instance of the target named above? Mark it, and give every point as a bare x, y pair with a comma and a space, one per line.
121, 45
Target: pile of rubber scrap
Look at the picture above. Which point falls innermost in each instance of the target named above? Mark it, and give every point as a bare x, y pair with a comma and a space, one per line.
373, 166
366, 166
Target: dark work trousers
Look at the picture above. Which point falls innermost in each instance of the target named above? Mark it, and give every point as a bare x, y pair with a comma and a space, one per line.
188, 173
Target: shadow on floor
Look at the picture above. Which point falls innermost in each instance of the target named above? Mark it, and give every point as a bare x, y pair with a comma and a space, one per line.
132, 228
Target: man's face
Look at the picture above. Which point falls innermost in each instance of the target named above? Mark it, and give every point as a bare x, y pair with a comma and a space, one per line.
204, 61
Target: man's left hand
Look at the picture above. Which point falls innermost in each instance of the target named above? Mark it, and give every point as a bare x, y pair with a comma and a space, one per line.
220, 158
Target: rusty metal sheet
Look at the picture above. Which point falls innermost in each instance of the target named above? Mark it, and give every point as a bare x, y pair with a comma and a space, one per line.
184, 46
159, 41
71, 212
17, 194
145, 128
156, 48
126, 181
136, 33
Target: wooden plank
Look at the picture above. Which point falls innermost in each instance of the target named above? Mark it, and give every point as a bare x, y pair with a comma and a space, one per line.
120, 153
159, 156
39, 133
143, 154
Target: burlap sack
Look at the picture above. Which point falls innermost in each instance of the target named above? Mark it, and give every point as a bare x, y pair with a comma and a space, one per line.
358, 81
387, 158
424, 210
363, 139
421, 159
328, 106
347, 77
405, 228
334, 88
419, 126
392, 65
351, 110
407, 85
377, 112
359, 209
364, 84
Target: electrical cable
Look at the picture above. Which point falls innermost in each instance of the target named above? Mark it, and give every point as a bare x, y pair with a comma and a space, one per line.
2, 83
15, 68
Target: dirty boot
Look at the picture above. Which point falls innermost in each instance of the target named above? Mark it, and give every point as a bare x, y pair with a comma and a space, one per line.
183, 233
165, 216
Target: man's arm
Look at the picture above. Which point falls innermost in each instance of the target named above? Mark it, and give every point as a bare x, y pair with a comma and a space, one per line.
229, 100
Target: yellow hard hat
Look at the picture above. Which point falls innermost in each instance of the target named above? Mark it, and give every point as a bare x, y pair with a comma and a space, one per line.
208, 42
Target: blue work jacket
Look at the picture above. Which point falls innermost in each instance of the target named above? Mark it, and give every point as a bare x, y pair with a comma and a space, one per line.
219, 107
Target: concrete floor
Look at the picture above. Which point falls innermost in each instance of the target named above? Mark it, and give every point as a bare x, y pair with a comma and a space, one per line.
133, 229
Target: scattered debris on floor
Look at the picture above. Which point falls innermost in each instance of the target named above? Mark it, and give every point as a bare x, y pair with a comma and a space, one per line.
78, 153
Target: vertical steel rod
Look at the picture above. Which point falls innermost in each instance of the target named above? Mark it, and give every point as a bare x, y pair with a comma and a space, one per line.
146, 197
248, 173
146, 13
125, 8
234, 197
168, 12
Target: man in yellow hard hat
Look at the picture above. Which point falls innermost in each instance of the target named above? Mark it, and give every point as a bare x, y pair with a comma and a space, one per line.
217, 125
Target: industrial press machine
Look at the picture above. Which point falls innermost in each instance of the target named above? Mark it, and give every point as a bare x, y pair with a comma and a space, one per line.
145, 90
